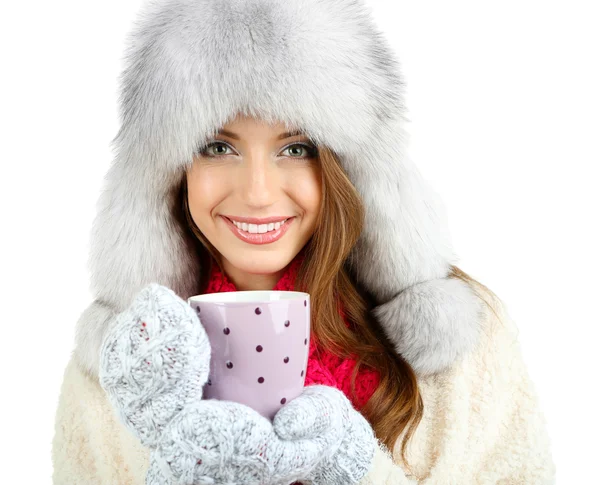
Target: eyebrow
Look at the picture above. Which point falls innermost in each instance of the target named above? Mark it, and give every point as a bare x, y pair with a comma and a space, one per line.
287, 134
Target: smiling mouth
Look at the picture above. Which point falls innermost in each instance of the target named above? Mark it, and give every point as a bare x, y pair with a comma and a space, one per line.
264, 228
259, 234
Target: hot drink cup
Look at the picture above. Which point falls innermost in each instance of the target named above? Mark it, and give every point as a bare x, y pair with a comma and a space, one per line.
259, 346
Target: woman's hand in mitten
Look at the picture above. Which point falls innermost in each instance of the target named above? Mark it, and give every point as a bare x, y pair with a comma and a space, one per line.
153, 361
223, 442
324, 414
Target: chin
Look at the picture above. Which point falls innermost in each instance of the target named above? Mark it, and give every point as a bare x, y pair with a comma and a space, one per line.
260, 262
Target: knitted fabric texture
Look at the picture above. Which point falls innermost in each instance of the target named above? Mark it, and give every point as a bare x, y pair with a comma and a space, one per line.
196, 441
149, 365
226, 443
323, 367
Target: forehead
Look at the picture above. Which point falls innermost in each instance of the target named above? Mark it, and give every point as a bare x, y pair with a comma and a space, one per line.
244, 126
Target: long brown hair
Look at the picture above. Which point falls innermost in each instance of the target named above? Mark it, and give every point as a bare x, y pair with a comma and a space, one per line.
396, 405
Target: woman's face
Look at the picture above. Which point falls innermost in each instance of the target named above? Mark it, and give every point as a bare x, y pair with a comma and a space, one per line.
255, 170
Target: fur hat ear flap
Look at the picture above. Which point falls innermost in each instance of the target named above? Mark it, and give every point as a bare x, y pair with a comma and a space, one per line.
137, 238
403, 258
432, 324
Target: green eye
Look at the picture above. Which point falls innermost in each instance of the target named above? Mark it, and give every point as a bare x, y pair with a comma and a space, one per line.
310, 151
209, 152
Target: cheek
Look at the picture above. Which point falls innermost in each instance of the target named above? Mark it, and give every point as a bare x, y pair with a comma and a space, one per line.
205, 190
308, 190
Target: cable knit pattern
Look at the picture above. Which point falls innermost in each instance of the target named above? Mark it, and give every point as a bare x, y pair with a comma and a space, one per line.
323, 366
154, 361
323, 413
225, 443
195, 441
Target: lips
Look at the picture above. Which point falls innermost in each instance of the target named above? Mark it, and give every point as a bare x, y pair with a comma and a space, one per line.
264, 238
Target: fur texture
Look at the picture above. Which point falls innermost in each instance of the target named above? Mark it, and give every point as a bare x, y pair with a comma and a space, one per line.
317, 65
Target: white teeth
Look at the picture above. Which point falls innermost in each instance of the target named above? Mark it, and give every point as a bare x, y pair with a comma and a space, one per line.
258, 229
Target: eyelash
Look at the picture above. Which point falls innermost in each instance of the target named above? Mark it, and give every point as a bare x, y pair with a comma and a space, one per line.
312, 151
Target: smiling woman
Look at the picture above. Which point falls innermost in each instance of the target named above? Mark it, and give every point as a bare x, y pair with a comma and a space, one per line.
220, 141
309, 257
256, 199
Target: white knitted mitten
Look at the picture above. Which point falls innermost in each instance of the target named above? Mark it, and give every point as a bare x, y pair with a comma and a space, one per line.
226, 443
153, 361
324, 414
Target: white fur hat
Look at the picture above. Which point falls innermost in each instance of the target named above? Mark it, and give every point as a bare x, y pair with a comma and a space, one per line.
317, 65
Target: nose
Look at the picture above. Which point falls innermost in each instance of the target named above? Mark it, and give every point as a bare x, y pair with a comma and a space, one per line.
259, 183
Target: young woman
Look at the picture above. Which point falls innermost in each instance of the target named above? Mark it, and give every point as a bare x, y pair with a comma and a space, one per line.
291, 111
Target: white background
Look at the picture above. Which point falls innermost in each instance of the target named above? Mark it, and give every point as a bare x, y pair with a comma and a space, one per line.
505, 120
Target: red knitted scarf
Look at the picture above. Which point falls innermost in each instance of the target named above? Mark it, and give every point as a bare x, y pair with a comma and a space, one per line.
323, 366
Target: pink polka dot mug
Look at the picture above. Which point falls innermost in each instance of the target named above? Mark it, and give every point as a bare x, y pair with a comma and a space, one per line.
259, 342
